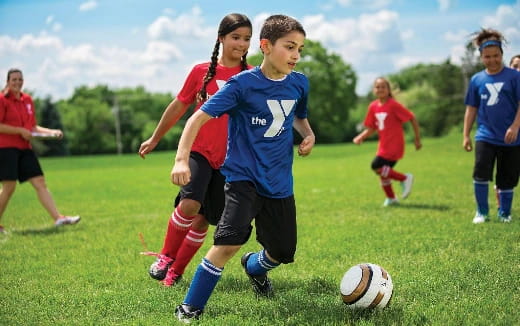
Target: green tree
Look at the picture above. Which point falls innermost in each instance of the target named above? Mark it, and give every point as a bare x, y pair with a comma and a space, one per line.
49, 117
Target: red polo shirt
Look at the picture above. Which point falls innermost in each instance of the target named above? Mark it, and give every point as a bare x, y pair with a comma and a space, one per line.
17, 113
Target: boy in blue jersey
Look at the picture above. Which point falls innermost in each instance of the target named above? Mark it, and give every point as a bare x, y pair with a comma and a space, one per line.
493, 98
263, 105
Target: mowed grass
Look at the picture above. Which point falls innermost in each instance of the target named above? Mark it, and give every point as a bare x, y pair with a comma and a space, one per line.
446, 270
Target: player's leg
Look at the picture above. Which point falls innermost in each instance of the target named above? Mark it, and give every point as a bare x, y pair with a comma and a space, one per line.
233, 230
276, 231
485, 155
382, 167
187, 207
508, 171
210, 213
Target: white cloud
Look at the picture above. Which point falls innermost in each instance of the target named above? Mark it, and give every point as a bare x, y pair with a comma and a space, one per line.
56, 27
89, 5
444, 5
374, 4
189, 24
49, 19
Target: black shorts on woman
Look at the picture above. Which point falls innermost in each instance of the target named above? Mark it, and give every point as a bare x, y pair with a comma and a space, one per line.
18, 164
206, 186
275, 221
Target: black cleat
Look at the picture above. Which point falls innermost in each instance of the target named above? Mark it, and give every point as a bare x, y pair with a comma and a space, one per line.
261, 284
186, 313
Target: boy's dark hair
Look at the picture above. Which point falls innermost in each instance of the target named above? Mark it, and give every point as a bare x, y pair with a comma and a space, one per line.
277, 26
227, 25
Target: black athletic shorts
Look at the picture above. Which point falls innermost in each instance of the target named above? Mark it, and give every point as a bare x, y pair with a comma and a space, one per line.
206, 186
507, 164
275, 221
18, 164
379, 162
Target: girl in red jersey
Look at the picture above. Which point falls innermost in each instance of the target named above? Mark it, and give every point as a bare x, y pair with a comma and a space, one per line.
17, 159
387, 116
201, 201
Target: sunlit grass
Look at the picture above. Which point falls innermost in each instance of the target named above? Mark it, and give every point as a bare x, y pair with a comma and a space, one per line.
446, 271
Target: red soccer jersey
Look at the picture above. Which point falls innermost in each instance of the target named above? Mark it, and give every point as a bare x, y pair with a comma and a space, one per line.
17, 113
388, 120
211, 140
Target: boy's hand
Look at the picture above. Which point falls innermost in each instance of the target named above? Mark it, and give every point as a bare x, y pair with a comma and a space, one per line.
306, 145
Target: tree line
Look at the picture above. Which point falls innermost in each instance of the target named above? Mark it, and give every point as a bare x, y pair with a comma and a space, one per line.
102, 120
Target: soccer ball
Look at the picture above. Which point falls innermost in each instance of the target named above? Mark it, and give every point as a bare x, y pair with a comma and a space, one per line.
366, 286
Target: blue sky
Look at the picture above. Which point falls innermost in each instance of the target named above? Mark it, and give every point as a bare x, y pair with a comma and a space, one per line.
62, 44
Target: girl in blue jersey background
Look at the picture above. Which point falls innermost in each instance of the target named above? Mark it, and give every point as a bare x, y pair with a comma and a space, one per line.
493, 99
263, 104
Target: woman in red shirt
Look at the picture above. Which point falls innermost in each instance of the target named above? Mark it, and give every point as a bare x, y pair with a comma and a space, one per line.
17, 159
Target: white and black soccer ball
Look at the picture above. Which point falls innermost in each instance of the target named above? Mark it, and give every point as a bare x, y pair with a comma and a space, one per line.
366, 286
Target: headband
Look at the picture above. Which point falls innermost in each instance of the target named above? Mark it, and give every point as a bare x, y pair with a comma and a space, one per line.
490, 43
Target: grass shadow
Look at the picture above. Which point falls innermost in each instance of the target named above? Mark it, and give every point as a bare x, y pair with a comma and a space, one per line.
47, 230
436, 207
325, 307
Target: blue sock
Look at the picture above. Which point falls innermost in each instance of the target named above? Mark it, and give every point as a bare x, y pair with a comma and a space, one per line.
506, 199
259, 264
204, 281
481, 195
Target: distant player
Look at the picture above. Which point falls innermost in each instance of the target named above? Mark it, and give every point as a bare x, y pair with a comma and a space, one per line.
386, 116
201, 200
493, 99
264, 104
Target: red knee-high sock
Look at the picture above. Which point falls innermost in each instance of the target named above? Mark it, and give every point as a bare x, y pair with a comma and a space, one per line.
191, 244
178, 226
387, 172
386, 184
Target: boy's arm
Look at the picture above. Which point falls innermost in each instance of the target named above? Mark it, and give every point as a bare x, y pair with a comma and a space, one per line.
303, 127
417, 133
469, 119
181, 173
363, 135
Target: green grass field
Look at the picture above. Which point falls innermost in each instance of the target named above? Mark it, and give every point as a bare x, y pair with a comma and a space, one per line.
446, 270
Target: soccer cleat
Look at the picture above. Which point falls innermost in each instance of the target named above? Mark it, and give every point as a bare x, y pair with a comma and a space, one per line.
390, 202
171, 278
160, 266
407, 185
186, 313
66, 220
261, 284
480, 218
503, 218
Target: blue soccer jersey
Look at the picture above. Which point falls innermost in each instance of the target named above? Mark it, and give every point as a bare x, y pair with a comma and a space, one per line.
497, 98
260, 129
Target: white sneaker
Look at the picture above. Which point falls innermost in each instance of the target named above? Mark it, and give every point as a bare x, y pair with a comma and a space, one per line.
407, 185
67, 220
504, 219
390, 202
480, 218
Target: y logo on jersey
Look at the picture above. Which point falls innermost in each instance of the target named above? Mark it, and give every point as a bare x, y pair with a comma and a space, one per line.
280, 111
494, 90
381, 116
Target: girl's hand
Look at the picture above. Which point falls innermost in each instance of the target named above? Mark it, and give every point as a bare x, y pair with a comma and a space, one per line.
181, 173
511, 135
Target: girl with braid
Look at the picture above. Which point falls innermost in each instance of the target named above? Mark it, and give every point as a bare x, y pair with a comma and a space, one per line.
201, 201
